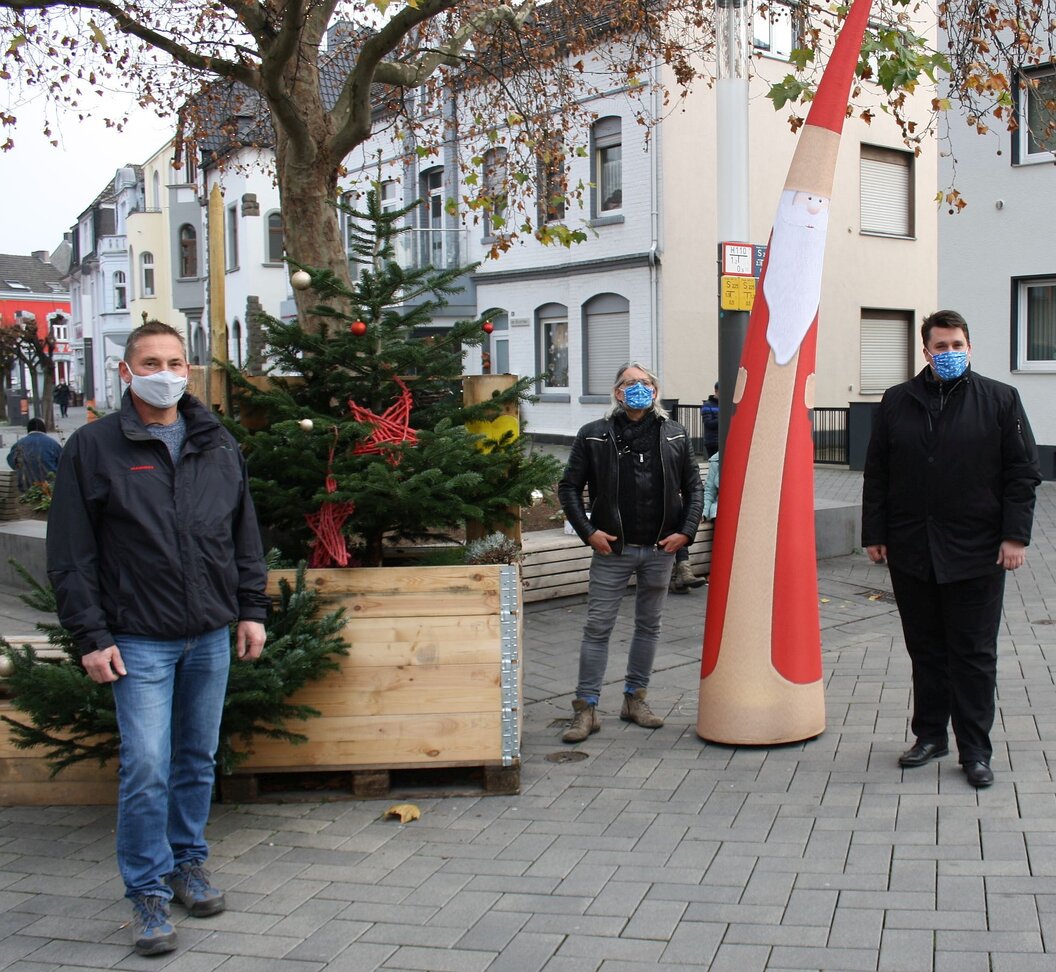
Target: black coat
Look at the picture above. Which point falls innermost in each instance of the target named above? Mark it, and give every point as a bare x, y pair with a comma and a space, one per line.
138, 545
944, 487
594, 464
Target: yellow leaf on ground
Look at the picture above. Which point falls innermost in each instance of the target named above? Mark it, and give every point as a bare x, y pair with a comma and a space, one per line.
405, 811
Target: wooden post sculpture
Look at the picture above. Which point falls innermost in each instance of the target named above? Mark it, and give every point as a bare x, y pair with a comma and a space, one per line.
761, 677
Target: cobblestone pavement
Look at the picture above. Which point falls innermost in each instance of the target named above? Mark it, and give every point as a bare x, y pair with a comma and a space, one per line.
656, 850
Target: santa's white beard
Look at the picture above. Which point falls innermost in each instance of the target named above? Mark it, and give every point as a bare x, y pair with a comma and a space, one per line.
792, 285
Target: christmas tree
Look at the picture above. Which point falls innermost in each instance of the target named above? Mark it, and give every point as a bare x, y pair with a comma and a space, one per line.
359, 439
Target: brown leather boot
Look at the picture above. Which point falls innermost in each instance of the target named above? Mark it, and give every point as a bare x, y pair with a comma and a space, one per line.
683, 572
584, 721
636, 709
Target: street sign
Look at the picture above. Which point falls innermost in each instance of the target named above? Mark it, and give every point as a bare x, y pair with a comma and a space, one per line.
737, 293
758, 256
737, 259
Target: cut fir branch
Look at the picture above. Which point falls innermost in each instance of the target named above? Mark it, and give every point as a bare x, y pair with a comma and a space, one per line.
71, 718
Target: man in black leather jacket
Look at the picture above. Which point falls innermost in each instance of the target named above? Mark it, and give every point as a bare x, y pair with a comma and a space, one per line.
646, 498
948, 502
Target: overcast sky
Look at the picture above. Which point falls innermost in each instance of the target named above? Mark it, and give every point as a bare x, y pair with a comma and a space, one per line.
45, 188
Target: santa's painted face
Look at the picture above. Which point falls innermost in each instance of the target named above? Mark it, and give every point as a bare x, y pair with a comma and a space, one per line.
792, 285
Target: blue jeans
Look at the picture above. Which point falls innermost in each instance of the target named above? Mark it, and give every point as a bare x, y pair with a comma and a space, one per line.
169, 707
609, 576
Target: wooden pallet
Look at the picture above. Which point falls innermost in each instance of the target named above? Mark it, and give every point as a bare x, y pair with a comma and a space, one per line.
9, 495
558, 565
370, 784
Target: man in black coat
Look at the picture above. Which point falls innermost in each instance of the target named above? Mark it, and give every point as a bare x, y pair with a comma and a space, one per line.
646, 500
948, 502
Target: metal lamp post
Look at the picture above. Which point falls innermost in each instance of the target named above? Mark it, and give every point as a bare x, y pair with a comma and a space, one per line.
732, 39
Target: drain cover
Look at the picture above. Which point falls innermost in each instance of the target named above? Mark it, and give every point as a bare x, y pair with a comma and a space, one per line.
885, 596
567, 756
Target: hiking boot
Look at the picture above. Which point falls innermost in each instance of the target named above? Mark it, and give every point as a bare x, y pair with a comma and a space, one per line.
685, 576
190, 884
152, 932
636, 709
676, 585
584, 721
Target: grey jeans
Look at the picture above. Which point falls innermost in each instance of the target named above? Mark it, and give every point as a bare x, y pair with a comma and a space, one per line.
609, 576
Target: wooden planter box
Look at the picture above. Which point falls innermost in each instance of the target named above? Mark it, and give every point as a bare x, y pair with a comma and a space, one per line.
432, 677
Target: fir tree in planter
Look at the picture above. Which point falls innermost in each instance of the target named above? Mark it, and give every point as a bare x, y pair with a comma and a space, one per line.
72, 718
364, 424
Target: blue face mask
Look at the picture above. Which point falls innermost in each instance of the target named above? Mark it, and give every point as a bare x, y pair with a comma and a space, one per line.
638, 396
949, 365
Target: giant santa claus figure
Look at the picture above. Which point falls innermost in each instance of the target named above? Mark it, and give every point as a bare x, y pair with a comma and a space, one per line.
761, 677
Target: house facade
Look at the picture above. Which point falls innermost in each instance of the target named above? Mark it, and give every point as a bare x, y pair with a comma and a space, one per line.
32, 291
997, 258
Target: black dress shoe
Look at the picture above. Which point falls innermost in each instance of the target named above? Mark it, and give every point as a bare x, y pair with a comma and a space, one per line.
979, 773
920, 752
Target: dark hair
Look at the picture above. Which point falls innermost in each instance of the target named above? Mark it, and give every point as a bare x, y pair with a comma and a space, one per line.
943, 318
36, 425
148, 329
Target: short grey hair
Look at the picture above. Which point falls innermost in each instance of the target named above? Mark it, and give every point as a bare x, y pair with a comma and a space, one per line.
617, 406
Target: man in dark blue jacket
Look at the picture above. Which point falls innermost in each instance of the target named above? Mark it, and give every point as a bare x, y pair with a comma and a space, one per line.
153, 552
36, 457
948, 502
646, 498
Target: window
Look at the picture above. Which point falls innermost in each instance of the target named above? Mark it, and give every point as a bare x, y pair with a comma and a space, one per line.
196, 340
433, 191
553, 345
494, 182
607, 166
60, 328
496, 358
1034, 323
146, 265
1035, 139
188, 251
235, 351
232, 238
120, 291
886, 190
884, 350
155, 187
607, 340
550, 182
389, 202
774, 30
275, 241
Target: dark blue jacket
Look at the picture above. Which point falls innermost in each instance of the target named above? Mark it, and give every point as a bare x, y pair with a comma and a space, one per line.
36, 456
138, 545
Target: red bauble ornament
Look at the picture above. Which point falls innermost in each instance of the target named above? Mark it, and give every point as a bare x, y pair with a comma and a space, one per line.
358, 328
487, 327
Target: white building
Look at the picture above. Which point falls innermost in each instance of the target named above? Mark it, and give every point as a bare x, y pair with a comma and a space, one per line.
997, 256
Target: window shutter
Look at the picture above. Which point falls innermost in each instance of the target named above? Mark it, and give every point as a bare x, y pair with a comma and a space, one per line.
608, 345
885, 197
884, 354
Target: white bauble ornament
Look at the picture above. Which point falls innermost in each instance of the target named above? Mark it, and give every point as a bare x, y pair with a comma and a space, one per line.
306, 425
301, 279
537, 497
7, 666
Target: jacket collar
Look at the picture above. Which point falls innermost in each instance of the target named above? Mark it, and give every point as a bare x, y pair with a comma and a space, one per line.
198, 418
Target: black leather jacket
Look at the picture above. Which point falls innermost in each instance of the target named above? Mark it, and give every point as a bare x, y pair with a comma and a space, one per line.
594, 464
